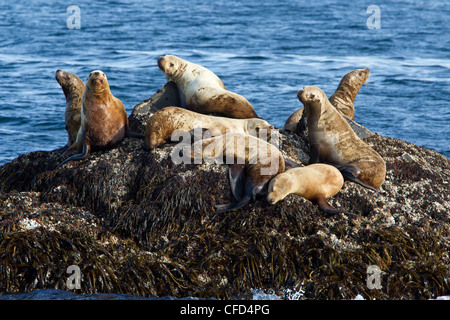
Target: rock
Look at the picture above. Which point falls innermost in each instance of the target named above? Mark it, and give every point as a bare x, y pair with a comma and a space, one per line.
136, 223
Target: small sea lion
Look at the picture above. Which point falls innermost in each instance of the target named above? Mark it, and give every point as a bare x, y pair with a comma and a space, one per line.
343, 98
104, 121
166, 121
73, 88
253, 162
315, 182
333, 141
204, 92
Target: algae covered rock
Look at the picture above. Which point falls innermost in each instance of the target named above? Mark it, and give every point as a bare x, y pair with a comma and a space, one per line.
136, 223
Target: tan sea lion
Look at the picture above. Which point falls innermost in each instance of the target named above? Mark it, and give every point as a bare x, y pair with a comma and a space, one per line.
315, 182
104, 121
344, 96
333, 141
73, 88
166, 121
253, 163
203, 90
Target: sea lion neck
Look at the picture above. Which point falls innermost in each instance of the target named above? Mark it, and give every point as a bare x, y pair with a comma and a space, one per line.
348, 88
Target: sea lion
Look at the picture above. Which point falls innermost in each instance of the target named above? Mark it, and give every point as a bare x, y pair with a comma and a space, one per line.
104, 121
315, 182
73, 88
344, 96
333, 141
203, 90
253, 163
164, 122
292, 121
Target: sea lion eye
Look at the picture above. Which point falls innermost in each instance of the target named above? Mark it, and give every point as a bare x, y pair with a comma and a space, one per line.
171, 64
360, 73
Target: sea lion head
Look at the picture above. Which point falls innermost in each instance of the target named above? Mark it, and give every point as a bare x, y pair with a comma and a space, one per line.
69, 82
279, 188
310, 94
97, 81
352, 82
170, 65
254, 127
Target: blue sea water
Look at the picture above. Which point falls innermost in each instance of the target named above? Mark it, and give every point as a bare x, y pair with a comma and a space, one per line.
263, 50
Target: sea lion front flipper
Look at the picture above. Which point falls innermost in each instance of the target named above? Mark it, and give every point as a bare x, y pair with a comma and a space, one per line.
83, 155
236, 174
314, 154
182, 97
349, 171
325, 207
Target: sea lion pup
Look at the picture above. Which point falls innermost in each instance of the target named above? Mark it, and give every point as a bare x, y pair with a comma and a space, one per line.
73, 88
164, 122
104, 121
333, 141
253, 163
204, 92
315, 182
344, 96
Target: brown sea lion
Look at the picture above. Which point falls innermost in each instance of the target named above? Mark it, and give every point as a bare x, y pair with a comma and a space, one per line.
166, 121
253, 163
203, 90
104, 121
73, 88
344, 96
315, 182
292, 121
333, 141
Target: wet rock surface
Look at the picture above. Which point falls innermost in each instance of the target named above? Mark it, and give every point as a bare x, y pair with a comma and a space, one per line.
136, 223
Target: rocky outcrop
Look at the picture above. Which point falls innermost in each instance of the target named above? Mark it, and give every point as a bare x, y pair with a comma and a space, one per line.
136, 223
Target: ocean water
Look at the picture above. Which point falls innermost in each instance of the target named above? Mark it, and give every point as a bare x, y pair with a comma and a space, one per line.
263, 50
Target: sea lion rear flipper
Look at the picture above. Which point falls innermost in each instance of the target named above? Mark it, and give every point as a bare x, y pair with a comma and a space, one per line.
289, 164
83, 155
233, 206
236, 174
348, 172
325, 207
132, 134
